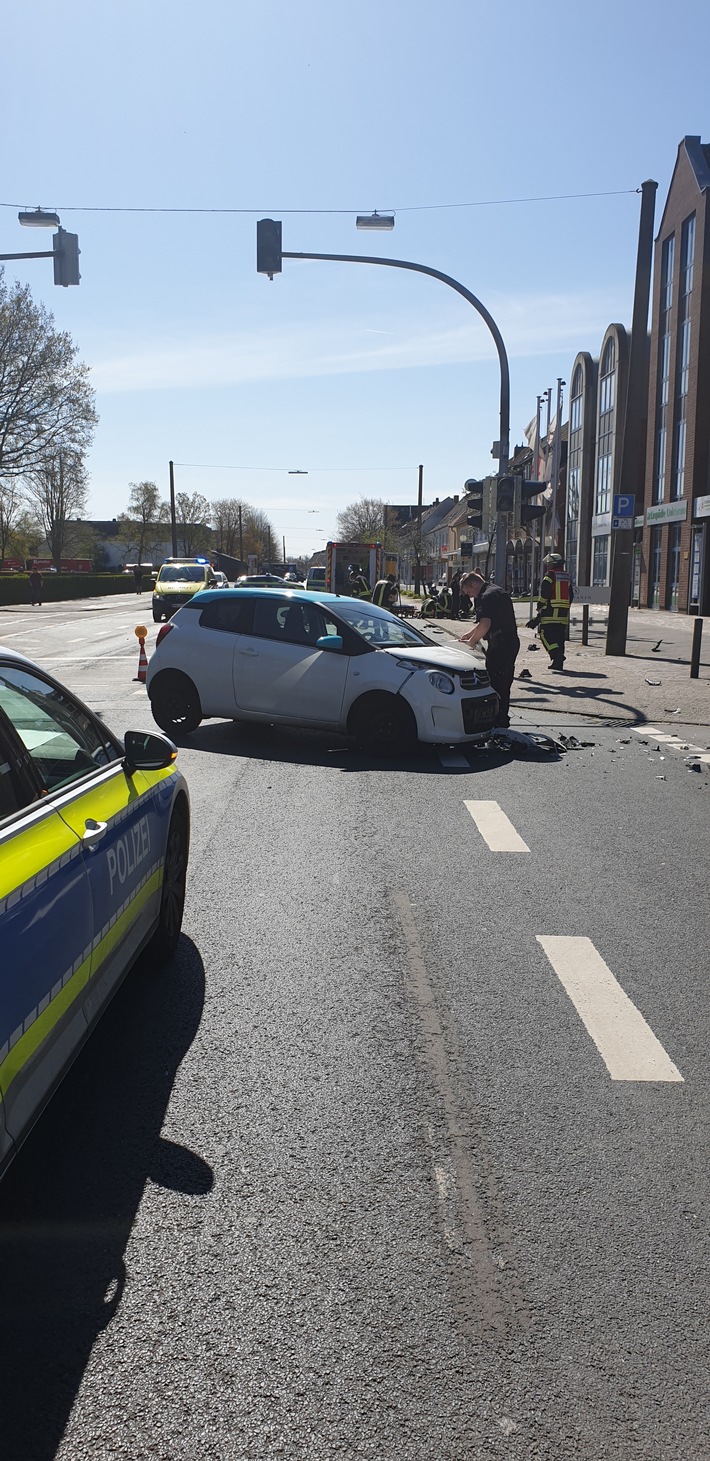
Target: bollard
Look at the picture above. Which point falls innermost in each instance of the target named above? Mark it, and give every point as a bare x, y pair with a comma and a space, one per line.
585, 623
695, 652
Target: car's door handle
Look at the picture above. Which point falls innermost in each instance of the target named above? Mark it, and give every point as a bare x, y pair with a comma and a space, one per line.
94, 831
249, 651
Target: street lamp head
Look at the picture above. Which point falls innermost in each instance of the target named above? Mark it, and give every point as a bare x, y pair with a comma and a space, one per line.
297, 472
382, 221
39, 218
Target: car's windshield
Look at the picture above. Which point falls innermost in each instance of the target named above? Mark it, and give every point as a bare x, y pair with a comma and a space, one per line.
182, 573
380, 628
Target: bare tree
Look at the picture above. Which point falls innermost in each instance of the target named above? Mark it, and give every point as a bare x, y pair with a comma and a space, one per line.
55, 489
46, 400
145, 512
363, 521
192, 514
11, 504
227, 518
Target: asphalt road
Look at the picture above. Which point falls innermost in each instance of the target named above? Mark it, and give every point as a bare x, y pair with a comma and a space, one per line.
357, 1178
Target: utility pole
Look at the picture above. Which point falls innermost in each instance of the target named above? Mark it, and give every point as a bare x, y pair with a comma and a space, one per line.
241, 536
622, 537
173, 524
418, 559
556, 454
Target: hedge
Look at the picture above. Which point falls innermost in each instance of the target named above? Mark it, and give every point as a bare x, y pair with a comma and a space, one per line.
14, 587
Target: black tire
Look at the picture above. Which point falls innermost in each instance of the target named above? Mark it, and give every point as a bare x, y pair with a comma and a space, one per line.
383, 724
157, 616
175, 703
165, 939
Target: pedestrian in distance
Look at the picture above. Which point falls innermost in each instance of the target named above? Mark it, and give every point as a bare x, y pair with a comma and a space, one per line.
138, 576
553, 606
495, 622
384, 594
35, 584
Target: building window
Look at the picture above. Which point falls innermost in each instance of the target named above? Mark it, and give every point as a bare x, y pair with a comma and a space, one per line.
654, 571
664, 369
673, 566
687, 259
600, 561
605, 438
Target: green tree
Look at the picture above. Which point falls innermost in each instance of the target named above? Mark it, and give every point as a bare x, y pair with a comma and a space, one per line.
46, 400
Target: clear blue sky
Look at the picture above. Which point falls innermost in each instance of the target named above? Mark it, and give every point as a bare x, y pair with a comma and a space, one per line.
290, 110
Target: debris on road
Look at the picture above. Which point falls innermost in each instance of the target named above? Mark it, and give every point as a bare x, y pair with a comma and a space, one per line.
655, 648
652, 682
525, 675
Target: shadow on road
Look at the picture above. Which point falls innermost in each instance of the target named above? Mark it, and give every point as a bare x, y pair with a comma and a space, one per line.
68, 1203
302, 747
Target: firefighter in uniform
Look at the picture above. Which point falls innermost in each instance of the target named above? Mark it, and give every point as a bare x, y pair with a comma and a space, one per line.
384, 594
446, 601
358, 584
553, 608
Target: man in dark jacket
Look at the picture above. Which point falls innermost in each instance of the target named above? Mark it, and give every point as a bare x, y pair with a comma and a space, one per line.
495, 622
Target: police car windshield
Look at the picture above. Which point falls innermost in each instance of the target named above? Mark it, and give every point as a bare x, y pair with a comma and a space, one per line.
182, 573
378, 627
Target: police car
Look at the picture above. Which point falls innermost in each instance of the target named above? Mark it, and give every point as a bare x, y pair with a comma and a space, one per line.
94, 838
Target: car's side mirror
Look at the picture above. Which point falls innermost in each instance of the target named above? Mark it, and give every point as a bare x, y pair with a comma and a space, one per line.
330, 641
148, 751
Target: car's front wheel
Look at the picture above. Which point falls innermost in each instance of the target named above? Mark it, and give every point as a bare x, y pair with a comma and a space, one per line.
157, 615
175, 703
172, 902
383, 724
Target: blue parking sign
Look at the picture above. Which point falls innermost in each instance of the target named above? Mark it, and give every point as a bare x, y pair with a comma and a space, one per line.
624, 504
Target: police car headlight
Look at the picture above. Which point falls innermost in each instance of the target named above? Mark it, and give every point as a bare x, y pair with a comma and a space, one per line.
441, 682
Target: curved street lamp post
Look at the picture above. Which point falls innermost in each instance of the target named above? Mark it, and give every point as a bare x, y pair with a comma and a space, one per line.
274, 234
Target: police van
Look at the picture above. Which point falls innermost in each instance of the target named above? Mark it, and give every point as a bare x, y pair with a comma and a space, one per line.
94, 838
179, 579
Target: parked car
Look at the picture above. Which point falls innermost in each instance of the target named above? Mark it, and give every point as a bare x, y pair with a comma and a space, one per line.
315, 579
294, 658
94, 837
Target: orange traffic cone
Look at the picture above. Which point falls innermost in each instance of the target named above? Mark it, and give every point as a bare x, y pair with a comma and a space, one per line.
142, 662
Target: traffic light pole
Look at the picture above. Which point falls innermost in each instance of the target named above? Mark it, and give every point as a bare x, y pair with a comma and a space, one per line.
504, 435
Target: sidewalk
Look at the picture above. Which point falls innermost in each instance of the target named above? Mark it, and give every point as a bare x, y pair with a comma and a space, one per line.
608, 688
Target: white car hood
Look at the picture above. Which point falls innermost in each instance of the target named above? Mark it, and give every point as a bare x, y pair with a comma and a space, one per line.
439, 657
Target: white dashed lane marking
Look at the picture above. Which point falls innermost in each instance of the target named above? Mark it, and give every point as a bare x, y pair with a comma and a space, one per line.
495, 828
625, 1042
675, 743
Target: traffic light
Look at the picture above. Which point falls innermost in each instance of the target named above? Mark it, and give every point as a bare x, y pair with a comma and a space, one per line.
505, 494
268, 247
65, 247
528, 513
476, 491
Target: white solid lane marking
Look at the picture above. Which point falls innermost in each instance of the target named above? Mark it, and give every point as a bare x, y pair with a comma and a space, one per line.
495, 828
454, 759
625, 1042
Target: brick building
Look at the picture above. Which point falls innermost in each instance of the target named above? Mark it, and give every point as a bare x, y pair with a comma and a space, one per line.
675, 552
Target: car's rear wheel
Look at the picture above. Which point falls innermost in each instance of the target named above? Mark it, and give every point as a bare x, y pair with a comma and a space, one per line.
164, 941
175, 703
383, 724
